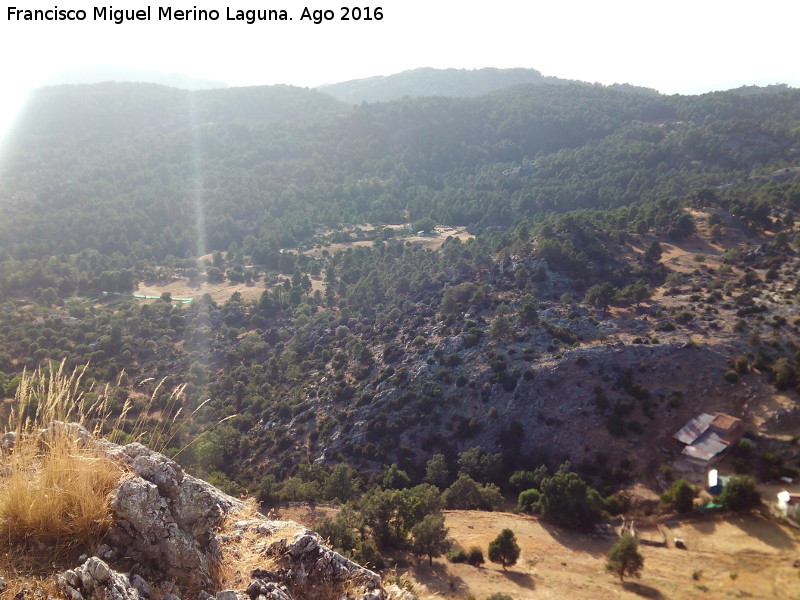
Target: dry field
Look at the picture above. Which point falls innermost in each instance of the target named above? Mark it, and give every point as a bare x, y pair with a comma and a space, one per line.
726, 557
432, 241
179, 287
737, 557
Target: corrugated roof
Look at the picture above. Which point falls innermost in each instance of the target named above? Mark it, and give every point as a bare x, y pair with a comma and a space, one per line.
706, 447
694, 428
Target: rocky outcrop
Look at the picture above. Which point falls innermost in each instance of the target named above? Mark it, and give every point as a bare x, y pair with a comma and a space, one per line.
306, 559
166, 531
166, 519
94, 579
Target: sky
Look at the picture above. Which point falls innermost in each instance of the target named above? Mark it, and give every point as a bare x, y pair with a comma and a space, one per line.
680, 46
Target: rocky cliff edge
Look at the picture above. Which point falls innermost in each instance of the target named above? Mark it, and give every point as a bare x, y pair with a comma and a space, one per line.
175, 536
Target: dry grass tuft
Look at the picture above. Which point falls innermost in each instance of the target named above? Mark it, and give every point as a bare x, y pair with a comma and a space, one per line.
54, 487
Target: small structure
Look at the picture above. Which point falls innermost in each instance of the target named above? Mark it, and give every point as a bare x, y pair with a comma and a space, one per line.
716, 482
706, 436
789, 504
648, 533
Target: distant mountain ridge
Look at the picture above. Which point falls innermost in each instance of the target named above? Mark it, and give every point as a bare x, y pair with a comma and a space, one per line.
123, 107
427, 81
116, 73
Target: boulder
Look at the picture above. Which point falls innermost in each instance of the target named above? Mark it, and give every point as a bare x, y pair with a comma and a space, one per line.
166, 519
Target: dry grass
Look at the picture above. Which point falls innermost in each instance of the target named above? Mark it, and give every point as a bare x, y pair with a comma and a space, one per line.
54, 487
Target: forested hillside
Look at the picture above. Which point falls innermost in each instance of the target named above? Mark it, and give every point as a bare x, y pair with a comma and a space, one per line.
460, 286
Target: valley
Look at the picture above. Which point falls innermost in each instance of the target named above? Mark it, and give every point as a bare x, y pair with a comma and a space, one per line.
458, 305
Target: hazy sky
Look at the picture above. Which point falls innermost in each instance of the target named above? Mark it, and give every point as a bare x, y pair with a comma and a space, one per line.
676, 47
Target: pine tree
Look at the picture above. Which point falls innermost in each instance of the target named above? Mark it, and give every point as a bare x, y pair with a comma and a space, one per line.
504, 549
429, 537
624, 558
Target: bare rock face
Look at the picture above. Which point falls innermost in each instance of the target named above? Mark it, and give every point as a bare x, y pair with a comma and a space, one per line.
166, 519
306, 559
94, 580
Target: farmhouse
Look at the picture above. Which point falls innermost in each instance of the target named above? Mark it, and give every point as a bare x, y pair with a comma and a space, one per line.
706, 436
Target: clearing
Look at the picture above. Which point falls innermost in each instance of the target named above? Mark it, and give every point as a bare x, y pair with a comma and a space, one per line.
432, 241
726, 556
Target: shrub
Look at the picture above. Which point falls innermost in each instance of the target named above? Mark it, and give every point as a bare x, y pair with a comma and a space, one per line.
529, 501
680, 496
740, 494
731, 376
475, 556
741, 365
467, 494
457, 555
525, 480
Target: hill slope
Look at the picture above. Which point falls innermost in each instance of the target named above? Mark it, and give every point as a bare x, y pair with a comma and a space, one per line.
624, 261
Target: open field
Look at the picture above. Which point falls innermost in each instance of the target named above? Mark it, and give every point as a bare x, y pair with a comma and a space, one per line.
726, 557
432, 241
179, 287
747, 557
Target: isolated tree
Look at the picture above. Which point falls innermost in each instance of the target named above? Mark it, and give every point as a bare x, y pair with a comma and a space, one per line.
624, 558
217, 260
504, 549
379, 510
429, 537
341, 485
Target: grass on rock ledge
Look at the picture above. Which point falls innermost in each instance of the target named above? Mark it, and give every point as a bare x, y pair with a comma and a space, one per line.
54, 487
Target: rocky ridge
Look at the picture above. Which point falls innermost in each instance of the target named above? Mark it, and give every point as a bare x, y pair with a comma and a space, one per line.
175, 536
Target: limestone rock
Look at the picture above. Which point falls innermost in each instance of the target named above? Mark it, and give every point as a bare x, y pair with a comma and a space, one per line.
166, 519
94, 580
260, 589
166, 522
395, 592
307, 558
